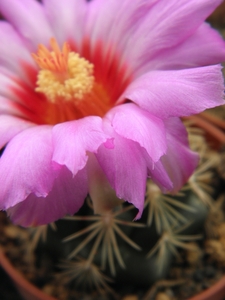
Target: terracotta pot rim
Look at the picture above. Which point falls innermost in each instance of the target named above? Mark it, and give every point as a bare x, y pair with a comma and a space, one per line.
214, 292
27, 289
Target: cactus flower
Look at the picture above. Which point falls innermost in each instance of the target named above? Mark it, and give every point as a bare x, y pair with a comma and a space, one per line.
91, 95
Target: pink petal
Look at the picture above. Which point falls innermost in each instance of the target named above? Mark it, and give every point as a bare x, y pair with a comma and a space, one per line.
204, 47
67, 19
13, 50
26, 166
167, 24
179, 161
141, 29
114, 21
136, 124
72, 140
159, 175
66, 197
177, 93
10, 126
8, 107
7, 84
125, 169
29, 19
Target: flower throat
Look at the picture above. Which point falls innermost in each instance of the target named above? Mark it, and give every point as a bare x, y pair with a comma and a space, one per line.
63, 74
67, 81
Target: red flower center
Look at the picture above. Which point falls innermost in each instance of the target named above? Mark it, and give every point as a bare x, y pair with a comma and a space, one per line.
69, 86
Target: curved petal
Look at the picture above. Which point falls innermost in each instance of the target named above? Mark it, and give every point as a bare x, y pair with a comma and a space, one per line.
26, 166
22, 97
136, 124
13, 51
179, 161
7, 85
8, 107
67, 19
66, 197
28, 18
167, 25
114, 21
125, 169
160, 176
10, 126
177, 93
153, 25
204, 47
72, 140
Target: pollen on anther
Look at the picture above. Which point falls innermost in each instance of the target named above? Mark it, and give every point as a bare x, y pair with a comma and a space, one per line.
64, 74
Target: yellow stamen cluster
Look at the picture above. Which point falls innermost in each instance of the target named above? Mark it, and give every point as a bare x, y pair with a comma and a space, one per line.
63, 75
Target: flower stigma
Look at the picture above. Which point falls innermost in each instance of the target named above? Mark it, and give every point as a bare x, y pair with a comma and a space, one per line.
63, 74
